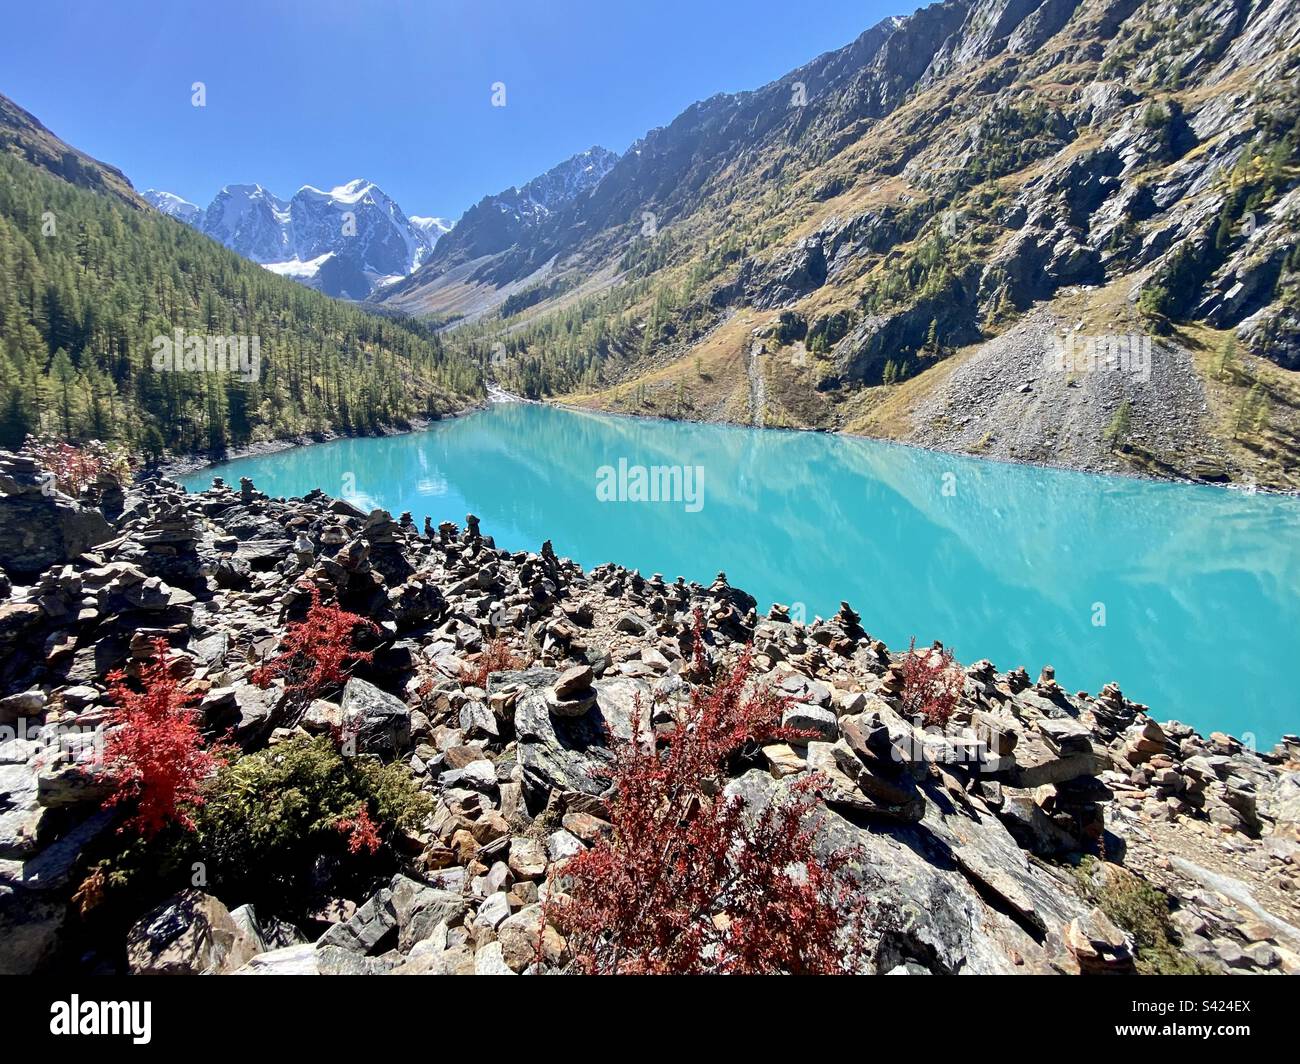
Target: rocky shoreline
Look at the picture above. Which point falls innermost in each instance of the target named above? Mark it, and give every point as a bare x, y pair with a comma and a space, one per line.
997, 844
946, 448
184, 465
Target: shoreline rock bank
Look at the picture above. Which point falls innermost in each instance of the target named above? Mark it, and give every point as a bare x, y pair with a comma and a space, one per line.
994, 844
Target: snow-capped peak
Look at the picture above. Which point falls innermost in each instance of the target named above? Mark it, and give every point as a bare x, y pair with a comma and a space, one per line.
353, 191
353, 231
433, 226
171, 204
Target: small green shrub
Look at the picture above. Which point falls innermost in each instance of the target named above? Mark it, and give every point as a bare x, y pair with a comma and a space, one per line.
1116, 433
1142, 910
273, 815
1155, 116
279, 828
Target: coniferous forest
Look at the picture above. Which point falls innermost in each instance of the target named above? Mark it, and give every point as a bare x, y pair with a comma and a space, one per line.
86, 284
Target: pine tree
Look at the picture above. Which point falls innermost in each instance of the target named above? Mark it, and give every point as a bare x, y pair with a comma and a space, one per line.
1117, 431
79, 311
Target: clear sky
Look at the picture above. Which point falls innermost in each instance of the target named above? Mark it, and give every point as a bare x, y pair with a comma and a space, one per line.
399, 93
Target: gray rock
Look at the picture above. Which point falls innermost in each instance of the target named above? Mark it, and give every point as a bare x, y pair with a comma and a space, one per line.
572, 753
375, 721
488, 960
419, 909
811, 722
38, 530
1231, 953
477, 720
24, 704
927, 884
561, 845
369, 931
300, 959
495, 908
266, 932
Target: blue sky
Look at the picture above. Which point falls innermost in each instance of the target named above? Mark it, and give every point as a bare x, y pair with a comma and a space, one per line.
399, 93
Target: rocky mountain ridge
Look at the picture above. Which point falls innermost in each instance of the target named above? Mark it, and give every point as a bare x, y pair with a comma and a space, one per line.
23, 135
857, 231
996, 844
490, 233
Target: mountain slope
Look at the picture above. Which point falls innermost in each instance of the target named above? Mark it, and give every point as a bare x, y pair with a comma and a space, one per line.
345, 242
93, 292
979, 185
491, 245
24, 137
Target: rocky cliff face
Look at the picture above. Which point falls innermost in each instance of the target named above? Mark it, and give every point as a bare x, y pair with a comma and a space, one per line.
910, 197
970, 836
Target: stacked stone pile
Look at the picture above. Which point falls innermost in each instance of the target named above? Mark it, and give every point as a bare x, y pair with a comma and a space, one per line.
968, 831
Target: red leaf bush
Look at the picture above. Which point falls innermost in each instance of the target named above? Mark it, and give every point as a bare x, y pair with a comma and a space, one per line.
362, 832
691, 881
154, 752
932, 685
317, 653
496, 656
73, 466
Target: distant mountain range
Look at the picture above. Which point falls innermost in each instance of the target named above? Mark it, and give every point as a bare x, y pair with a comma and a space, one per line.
921, 235
345, 242
355, 240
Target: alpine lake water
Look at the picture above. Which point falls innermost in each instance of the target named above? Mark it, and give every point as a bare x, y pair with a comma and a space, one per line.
1187, 596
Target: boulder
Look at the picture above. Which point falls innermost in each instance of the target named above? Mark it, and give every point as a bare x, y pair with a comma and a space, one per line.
301, 959
371, 930
527, 858
419, 909
1098, 945
525, 939
375, 721
488, 960
811, 722
927, 884
191, 933
40, 529
572, 753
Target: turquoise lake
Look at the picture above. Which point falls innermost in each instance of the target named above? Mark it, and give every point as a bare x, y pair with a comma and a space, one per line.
1198, 588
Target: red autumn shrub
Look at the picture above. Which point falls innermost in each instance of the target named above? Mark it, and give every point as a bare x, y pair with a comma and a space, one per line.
691, 881
318, 652
76, 466
362, 832
154, 752
932, 685
496, 656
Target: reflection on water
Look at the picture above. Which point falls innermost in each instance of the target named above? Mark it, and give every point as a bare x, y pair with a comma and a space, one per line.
1199, 588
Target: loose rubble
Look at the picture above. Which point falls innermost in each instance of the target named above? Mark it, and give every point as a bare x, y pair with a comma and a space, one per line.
969, 836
